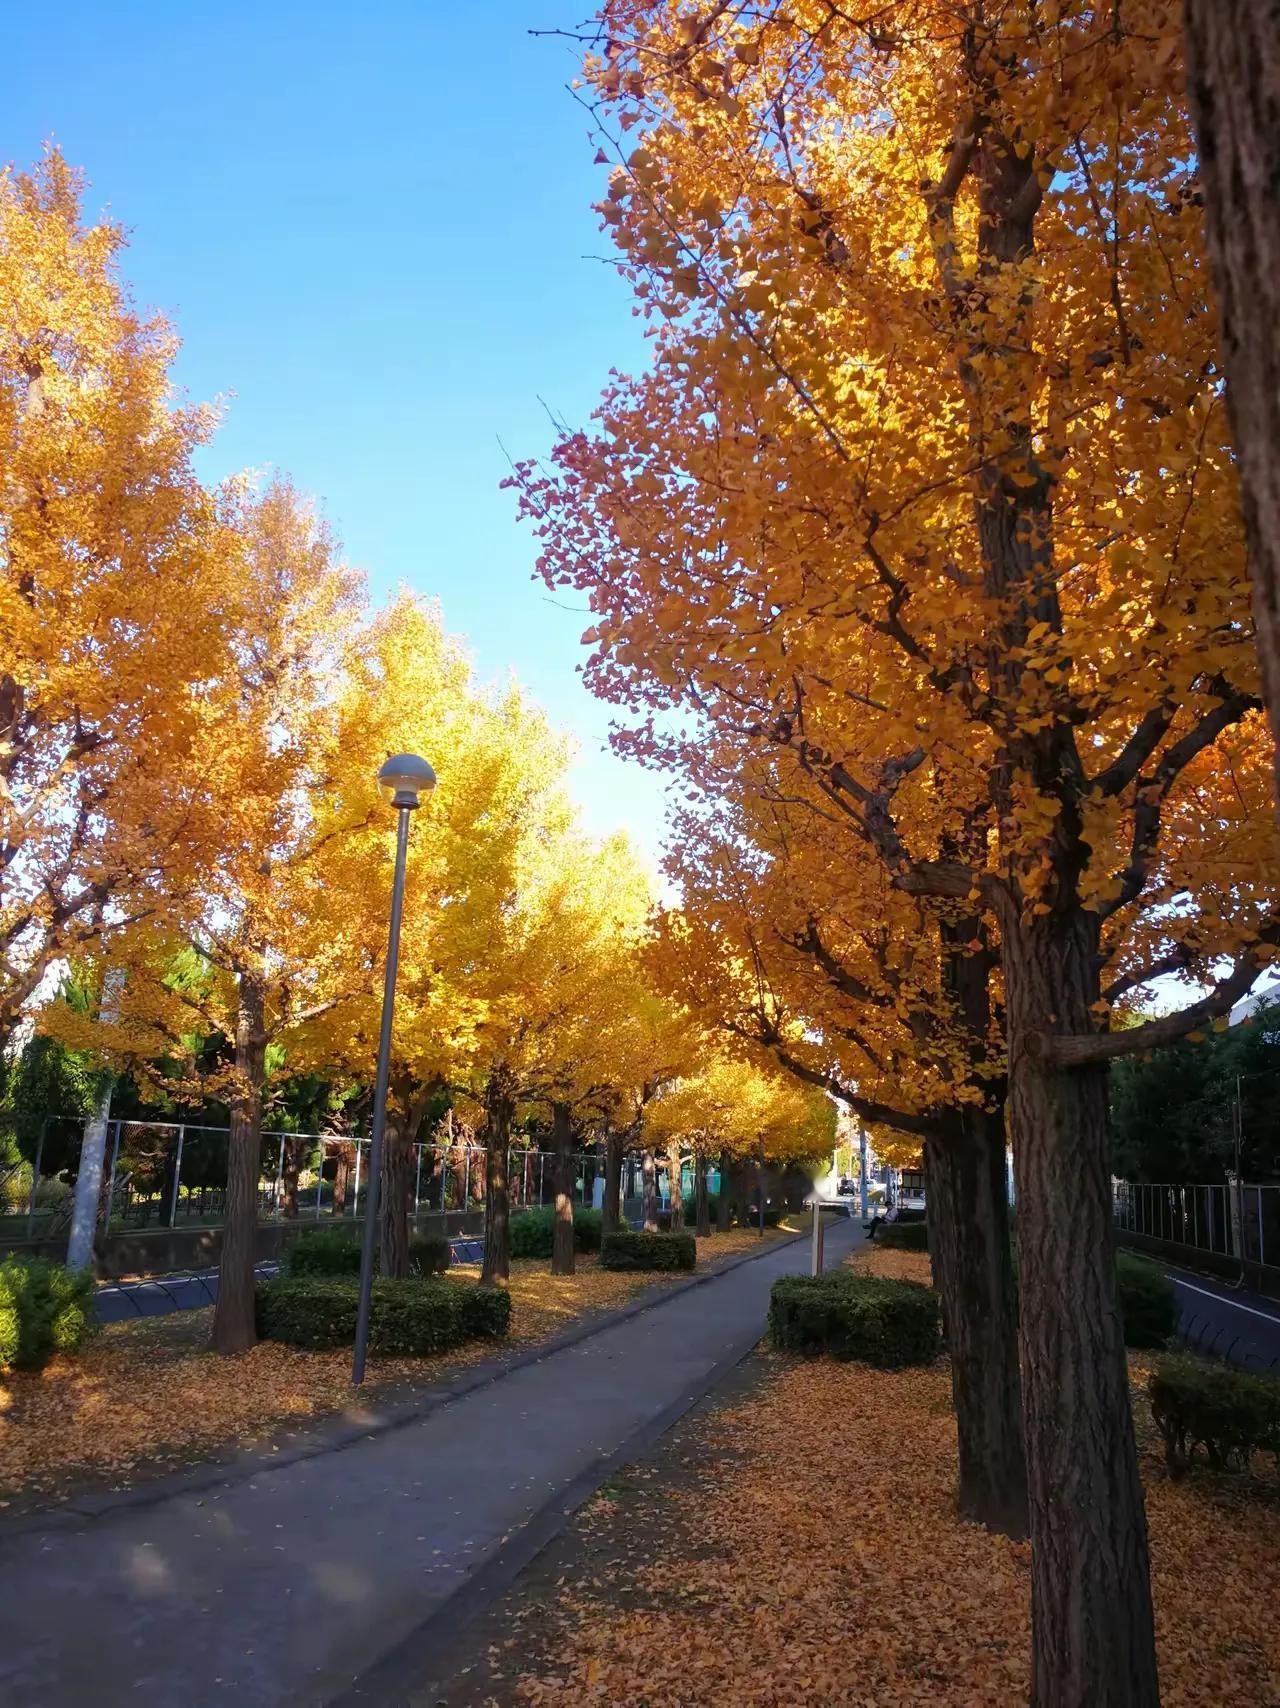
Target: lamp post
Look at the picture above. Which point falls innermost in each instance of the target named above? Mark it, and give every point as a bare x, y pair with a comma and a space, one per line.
404, 779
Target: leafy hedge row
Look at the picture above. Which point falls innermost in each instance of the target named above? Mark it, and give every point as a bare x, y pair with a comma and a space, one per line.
333, 1251
648, 1251
1148, 1303
1228, 1414
903, 1236
853, 1316
533, 1231
44, 1309
408, 1318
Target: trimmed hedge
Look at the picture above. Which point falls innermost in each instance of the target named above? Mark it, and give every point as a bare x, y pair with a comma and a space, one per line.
44, 1308
1147, 1300
334, 1252
533, 1231
322, 1251
903, 1236
648, 1251
409, 1318
855, 1317
429, 1254
1229, 1414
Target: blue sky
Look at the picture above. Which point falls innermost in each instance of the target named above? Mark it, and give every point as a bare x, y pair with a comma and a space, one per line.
371, 226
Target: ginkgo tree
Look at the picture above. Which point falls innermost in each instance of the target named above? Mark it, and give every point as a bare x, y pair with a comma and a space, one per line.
109, 586
927, 491
246, 889
472, 855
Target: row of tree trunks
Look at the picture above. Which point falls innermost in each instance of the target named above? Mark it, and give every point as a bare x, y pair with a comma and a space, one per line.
563, 1254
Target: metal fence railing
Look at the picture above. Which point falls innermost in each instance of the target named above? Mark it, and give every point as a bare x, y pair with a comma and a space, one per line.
171, 1174
1233, 1220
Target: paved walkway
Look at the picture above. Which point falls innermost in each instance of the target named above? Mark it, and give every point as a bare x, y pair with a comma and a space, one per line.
285, 1586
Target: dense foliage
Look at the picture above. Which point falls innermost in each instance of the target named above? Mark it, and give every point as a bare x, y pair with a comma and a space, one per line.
648, 1251
533, 1231
44, 1309
1174, 1112
1227, 1414
409, 1318
855, 1317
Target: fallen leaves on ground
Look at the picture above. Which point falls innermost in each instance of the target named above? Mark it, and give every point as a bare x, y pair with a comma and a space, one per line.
146, 1395
813, 1558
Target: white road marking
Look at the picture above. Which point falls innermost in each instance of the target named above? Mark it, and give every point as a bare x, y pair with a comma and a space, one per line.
1267, 1316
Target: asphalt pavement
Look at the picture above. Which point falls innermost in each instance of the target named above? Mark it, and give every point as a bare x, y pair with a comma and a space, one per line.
1224, 1322
285, 1582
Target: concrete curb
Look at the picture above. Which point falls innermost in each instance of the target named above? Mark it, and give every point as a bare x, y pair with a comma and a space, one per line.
338, 1433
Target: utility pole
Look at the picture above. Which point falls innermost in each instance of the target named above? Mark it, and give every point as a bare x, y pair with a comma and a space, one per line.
862, 1167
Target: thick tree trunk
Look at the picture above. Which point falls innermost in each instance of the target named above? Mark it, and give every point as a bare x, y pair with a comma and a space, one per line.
1093, 1635
973, 1271
290, 1176
563, 1253
341, 1179
233, 1316
649, 1179
614, 1147
1233, 75
728, 1178
499, 1114
673, 1179
396, 1196
701, 1201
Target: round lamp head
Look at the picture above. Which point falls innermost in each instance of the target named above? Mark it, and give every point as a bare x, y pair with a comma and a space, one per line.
405, 778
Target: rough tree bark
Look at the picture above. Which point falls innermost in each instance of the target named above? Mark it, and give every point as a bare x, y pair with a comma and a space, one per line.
341, 1179
563, 1255
1094, 1642
614, 1148
289, 1177
973, 1271
396, 1190
701, 1201
233, 1316
405, 1111
499, 1114
728, 1193
673, 1186
1233, 76
649, 1188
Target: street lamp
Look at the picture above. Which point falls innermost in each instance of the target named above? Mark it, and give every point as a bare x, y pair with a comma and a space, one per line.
404, 779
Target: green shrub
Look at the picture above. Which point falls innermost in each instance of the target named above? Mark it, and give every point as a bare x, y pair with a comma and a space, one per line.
322, 1251
648, 1251
1229, 1414
690, 1204
532, 1231
408, 1318
429, 1254
1148, 1302
852, 1316
903, 1236
44, 1308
